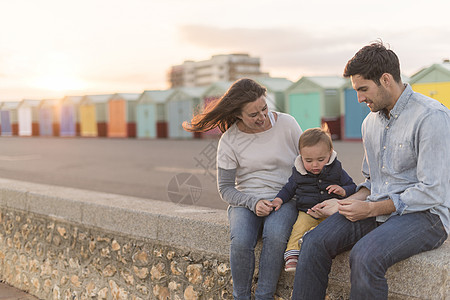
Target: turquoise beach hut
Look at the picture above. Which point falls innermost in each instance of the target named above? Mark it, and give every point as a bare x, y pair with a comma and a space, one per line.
151, 116
315, 100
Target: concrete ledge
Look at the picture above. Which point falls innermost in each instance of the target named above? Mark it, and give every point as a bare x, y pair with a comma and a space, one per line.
187, 226
204, 230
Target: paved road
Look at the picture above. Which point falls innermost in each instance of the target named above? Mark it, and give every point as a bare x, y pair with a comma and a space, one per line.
141, 168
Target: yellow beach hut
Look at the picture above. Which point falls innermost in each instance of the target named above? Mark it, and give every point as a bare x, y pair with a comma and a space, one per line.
93, 115
434, 81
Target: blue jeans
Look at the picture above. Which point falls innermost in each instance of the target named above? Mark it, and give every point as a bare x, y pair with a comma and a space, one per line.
245, 229
374, 249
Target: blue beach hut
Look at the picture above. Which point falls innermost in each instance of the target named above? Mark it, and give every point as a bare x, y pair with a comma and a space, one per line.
354, 113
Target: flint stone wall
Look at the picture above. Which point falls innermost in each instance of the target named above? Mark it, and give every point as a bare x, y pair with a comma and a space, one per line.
63, 243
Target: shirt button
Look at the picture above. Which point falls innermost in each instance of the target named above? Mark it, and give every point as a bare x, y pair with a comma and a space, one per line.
320, 180
386, 182
382, 167
387, 127
384, 147
321, 192
396, 116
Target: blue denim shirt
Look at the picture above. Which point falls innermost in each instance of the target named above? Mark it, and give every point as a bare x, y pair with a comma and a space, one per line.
406, 156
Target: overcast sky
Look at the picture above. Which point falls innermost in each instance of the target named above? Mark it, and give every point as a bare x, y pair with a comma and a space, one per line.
53, 48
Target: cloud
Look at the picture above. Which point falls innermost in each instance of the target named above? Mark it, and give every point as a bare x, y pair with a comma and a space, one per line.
285, 48
318, 52
279, 39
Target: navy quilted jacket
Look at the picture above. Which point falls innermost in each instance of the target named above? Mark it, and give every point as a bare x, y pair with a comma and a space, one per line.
310, 189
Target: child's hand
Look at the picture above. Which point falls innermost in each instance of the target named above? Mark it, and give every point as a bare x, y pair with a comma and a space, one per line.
276, 203
334, 188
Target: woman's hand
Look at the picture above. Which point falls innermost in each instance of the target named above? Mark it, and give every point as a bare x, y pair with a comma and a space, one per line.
324, 209
264, 208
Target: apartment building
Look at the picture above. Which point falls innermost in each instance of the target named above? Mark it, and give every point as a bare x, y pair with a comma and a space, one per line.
224, 67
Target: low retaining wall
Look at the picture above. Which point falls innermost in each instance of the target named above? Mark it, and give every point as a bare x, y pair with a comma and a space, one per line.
62, 243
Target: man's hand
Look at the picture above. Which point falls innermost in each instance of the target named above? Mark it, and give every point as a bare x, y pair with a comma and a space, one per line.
324, 209
354, 210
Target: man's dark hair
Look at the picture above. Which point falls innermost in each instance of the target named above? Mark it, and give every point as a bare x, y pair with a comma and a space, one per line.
372, 61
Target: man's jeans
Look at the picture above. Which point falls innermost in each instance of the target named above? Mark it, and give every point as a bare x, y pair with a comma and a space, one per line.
375, 249
245, 228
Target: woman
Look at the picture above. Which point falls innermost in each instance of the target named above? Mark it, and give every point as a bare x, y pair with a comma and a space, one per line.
254, 160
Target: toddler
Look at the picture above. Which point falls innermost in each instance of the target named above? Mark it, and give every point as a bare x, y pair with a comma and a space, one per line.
317, 175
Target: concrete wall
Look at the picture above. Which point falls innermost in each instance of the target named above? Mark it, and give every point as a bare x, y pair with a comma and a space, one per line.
62, 243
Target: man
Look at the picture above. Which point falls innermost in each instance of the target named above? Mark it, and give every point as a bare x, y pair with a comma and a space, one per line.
403, 206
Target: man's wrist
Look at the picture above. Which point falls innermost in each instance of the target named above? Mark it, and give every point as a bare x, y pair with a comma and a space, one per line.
379, 208
372, 209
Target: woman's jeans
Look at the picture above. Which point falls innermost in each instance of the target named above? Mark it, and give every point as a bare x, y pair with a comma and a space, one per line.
245, 229
375, 247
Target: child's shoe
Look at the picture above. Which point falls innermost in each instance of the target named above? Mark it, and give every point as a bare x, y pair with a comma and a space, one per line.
291, 263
